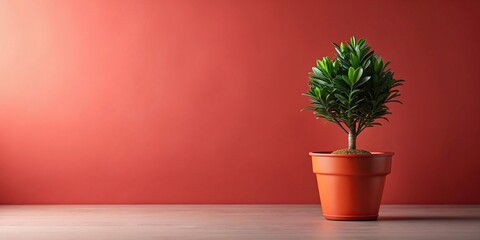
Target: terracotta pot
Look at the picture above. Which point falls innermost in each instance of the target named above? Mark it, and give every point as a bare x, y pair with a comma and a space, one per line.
351, 185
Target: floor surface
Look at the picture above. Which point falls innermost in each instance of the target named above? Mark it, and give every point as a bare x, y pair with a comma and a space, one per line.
144, 222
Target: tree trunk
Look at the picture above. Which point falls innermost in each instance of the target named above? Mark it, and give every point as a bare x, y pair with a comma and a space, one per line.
352, 139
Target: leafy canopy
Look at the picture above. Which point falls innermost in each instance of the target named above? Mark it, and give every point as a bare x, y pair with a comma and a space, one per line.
352, 89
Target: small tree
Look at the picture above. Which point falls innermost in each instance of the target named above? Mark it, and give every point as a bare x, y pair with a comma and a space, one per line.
352, 90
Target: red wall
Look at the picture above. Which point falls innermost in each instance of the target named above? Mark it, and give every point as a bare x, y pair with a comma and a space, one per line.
198, 101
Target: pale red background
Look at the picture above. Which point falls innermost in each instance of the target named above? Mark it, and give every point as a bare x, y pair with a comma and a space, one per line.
198, 101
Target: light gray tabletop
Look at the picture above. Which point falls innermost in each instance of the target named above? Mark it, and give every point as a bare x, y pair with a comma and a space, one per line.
143, 222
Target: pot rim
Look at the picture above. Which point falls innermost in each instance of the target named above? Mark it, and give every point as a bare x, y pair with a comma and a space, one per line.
329, 154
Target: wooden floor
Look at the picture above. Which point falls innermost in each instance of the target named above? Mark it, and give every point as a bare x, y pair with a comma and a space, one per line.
143, 222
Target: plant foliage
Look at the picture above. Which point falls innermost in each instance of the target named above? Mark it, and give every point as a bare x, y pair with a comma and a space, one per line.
353, 89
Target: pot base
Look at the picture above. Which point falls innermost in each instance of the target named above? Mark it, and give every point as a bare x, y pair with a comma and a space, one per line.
351, 218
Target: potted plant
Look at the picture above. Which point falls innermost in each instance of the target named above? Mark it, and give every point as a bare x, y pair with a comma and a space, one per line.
352, 90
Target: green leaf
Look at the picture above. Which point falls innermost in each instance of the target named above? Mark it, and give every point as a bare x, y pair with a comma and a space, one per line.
376, 65
351, 74
354, 60
317, 72
386, 64
319, 81
361, 42
357, 52
340, 84
358, 74
338, 49
367, 56
362, 81
341, 98
397, 101
321, 64
366, 64
393, 96
352, 93
336, 66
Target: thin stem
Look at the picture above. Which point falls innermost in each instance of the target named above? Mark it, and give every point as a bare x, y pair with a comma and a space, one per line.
339, 124
360, 128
